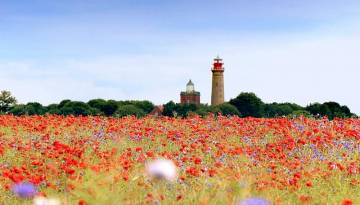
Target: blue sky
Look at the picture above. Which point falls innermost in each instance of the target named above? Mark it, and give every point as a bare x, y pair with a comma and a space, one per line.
298, 51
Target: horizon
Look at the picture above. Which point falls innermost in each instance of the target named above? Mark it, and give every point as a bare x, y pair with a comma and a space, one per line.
297, 52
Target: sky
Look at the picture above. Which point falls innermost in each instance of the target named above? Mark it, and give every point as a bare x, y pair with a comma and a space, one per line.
283, 50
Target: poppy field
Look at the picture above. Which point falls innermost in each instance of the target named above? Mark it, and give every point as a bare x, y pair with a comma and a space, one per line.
212, 160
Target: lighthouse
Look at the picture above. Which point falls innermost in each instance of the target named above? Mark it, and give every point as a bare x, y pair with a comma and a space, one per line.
217, 92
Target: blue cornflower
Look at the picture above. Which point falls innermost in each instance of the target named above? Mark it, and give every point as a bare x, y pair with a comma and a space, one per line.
24, 189
254, 201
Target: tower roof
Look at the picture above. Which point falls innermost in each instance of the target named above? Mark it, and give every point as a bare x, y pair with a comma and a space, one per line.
217, 58
190, 82
218, 65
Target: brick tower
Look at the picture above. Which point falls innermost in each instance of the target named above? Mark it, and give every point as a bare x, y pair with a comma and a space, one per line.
217, 92
190, 96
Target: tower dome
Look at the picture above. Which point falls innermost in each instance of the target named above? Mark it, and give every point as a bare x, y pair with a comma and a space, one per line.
190, 87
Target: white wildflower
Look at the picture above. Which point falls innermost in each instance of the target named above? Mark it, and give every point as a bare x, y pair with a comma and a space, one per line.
162, 169
45, 201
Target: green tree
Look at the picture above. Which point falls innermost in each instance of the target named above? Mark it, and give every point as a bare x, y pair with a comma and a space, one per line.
63, 102
145, 105
270, 110
202, 111
172, 109
129, 110
284, 109
319, 109
7, 101
228, 109
18, 110
346, 110
108, 108
280, 109
31, 108
185, 109
248, 104
214, 109
34, 108
97, 103
53, 109
298, 113
169, 109
77, 108
329, 109
337, 110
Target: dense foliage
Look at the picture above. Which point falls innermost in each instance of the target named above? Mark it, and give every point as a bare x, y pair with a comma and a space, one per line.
244, 105
93, 107
220, 160
250, 105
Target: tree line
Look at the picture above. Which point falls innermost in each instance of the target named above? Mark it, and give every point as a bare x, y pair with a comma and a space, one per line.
8, 105
249, 104
246, 104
